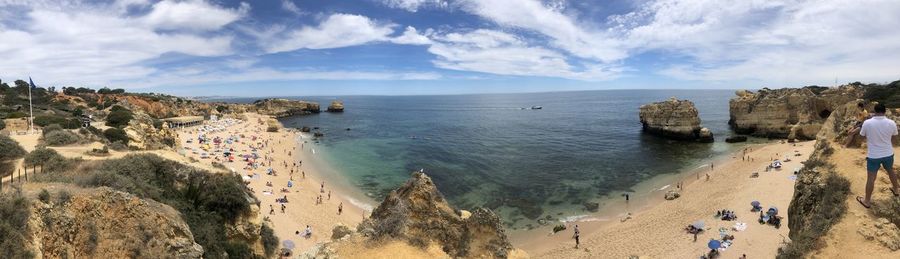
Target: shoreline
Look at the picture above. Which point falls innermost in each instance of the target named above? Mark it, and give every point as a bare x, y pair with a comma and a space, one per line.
613, 209
729, 187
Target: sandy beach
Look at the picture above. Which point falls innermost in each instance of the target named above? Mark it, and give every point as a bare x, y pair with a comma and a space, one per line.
656, 229
283, 150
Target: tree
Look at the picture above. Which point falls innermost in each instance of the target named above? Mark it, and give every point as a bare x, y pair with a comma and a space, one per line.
104, 90
118, 117
22, 84
11, 149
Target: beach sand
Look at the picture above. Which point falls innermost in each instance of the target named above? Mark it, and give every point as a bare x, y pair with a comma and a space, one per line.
657, 231
301, 210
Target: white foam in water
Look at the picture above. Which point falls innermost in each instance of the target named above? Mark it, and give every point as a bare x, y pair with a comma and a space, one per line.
363, 205
314, 151
580, 218
665, 187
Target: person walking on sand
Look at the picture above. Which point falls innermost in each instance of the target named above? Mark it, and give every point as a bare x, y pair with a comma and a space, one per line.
879, 130
577, 236
340, 208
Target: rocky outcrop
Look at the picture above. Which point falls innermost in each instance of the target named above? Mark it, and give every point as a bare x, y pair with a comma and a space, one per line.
676, 119
336, 106
143, 135
417, 213
284, 107
103, 223
793, 113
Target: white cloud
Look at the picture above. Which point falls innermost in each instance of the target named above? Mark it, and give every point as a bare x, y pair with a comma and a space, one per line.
192, 15
774, 42
336, 31
288, 5
414, 5
78, 43
502, 53
412, 37
563, 30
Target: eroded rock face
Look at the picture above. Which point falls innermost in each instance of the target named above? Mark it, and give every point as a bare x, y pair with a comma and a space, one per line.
143, 135
793, 113
284, 107
103, 223
675, 119
418, 213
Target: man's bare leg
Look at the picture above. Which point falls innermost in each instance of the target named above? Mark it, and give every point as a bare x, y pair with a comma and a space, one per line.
893, 177
870, 186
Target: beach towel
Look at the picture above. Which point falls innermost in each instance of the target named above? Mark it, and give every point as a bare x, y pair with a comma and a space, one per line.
740, 226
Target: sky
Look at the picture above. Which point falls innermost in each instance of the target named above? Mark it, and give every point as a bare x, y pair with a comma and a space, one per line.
400, 47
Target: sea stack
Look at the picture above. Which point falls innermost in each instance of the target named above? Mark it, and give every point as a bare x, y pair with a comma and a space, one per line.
674, 119
336, 106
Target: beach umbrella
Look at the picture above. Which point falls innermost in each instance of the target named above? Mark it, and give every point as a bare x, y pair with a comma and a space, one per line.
754, 203
774, 209
698, 224
714, 244
288, 244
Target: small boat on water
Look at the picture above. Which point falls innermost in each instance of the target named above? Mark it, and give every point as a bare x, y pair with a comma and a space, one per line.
536, 107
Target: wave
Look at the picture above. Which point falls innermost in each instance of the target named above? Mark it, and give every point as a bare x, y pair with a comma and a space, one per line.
365, 206
581, 218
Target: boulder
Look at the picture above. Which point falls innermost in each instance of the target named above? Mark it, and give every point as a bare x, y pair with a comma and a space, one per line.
796, 113
417, 213
672, 194
336, 106
736, 139
674, 119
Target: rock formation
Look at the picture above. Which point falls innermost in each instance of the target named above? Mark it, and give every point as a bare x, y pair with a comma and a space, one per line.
417, 213
676, 119
793, 113
102, 223
284, 107
143, 135
336, 106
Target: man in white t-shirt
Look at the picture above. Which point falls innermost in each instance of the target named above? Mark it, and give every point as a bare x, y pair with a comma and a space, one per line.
878, 132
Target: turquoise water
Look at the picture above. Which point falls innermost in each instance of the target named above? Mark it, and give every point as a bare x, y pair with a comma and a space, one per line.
485, 150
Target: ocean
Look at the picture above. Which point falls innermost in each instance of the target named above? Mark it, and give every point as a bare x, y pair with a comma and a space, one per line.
492, 150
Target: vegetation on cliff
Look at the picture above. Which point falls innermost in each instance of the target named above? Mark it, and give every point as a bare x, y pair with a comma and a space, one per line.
208, 202
14, 226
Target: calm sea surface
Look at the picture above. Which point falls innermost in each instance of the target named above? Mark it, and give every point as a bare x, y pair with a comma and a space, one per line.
485, 150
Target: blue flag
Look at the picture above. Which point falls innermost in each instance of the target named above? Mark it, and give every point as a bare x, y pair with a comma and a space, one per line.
32, 83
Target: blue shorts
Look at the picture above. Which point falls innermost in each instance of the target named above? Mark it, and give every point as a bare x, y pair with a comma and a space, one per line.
873, 164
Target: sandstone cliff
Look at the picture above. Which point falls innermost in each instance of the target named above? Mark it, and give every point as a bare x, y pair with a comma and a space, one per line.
103, 223
284, 107
143, 135
793, 113
824, 218
336, 106
676, 119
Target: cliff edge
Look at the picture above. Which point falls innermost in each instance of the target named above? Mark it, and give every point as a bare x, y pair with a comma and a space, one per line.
792, 113
284, 107
675, 119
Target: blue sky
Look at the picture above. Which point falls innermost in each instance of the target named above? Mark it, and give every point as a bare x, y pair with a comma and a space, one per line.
395, 47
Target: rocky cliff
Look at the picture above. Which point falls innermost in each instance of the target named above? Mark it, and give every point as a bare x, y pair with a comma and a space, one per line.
676, 119
143, 135
417, 213
793, 113
284, 107
103, 223
336, 106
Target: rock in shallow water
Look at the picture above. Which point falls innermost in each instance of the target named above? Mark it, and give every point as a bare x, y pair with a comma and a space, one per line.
674, 119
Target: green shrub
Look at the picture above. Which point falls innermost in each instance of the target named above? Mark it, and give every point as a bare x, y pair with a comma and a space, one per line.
818, 216
269, 240
16, 115
14, 212
44, 196
118, 117
118, 146
63, 197
116, 135
11, 149
45, 120
60, 138
51, 128
41, 156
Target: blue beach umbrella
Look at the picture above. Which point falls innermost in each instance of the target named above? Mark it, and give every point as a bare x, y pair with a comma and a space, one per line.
288, 244
714, 244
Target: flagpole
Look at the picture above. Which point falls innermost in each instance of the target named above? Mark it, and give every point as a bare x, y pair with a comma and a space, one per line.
30, 106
